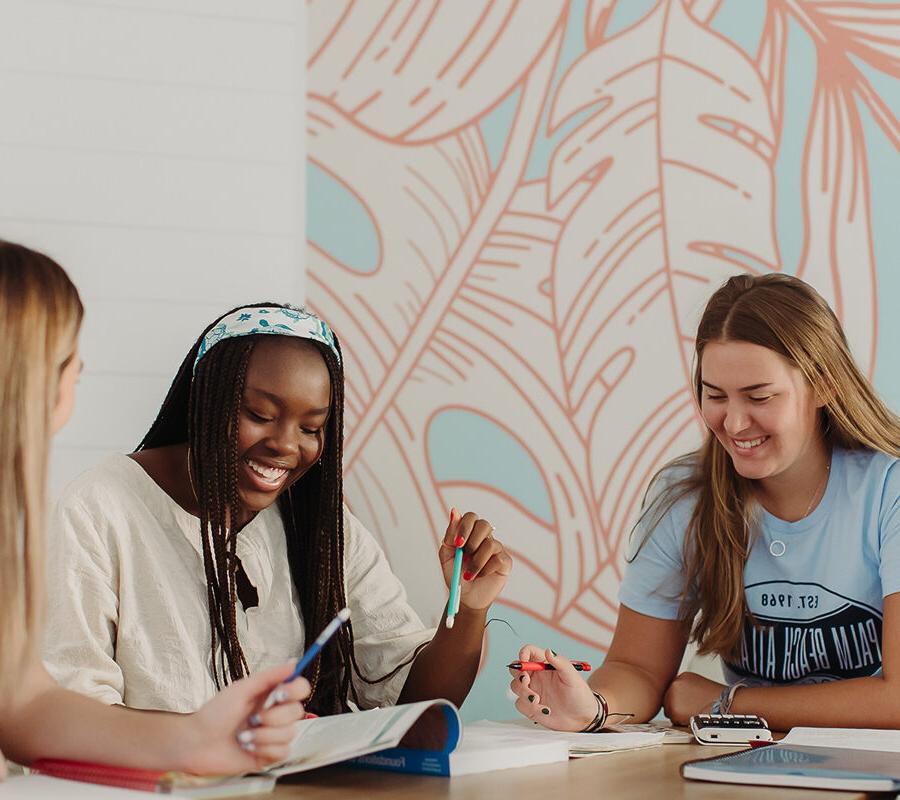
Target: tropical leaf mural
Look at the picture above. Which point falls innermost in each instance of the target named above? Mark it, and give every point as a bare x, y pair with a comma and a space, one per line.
527, 204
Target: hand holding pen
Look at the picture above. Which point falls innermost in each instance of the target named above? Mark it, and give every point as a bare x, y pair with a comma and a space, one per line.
542, 666
479, 561
311, 652
551, 690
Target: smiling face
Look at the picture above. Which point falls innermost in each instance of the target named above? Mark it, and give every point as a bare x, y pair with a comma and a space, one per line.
761, 409
281, 425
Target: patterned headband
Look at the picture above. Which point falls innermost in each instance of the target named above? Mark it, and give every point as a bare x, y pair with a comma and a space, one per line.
268, 319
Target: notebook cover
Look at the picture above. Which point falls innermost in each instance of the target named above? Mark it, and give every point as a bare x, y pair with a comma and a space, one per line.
156, 781
800, 766
146, 780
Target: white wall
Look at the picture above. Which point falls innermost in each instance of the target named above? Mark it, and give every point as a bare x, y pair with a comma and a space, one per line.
154, 148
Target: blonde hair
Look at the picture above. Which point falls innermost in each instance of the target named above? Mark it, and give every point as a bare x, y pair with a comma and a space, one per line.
40, 315
786, 315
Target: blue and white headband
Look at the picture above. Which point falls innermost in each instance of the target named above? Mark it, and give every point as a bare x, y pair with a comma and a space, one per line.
268, 319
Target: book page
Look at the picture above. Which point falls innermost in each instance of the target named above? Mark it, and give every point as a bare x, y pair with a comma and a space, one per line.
885, 741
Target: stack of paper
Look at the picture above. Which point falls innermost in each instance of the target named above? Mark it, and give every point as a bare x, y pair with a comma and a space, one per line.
487, 746
579, 744
673, 735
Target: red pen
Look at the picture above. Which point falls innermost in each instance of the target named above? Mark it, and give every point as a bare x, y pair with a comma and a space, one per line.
540, 666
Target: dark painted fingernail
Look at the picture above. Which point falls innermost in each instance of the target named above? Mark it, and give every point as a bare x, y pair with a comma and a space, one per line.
531, 698
554, 652
545, 710
467, 575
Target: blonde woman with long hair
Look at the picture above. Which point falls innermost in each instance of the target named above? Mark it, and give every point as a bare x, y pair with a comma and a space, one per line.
40, 316
776, 545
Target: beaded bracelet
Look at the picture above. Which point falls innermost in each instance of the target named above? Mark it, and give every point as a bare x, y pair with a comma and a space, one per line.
725, 700
599, 720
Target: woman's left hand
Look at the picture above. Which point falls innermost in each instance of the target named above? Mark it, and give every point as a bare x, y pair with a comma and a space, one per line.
690, 694
486, 564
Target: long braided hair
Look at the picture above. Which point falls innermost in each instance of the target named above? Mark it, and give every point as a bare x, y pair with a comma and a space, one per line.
202, 409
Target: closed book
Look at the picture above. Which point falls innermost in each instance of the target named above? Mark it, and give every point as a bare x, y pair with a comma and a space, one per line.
176, 783
802, 766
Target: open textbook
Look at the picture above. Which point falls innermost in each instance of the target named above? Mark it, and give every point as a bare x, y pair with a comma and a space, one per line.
425, 737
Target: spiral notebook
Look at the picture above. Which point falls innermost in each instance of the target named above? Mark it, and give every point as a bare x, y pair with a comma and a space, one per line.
802, 766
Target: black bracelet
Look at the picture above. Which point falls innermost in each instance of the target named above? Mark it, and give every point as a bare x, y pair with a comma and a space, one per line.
599, 720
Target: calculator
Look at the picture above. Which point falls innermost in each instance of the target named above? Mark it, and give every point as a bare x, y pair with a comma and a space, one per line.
730, 729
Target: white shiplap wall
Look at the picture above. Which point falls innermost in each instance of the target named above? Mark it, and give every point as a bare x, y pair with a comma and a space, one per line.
155, 149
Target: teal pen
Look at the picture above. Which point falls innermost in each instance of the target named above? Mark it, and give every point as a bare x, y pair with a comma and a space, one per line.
453, 602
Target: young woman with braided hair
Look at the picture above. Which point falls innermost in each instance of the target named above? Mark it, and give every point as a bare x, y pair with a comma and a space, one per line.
775, 545
223, 544
40, 317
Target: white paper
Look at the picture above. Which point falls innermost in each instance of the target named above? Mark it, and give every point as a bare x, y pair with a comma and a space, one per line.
884, 741
673, 735
486, 746
580, 744
40, 787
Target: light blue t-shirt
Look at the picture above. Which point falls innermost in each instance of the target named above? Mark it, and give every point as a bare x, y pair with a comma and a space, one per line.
819, 605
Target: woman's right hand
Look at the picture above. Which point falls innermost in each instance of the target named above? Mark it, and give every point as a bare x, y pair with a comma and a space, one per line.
231, 733
558, 699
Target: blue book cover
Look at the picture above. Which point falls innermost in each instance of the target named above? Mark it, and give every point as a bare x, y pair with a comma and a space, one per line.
422, 761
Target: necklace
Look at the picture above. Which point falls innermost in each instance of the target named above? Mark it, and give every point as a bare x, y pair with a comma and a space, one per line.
818, 489
777, 547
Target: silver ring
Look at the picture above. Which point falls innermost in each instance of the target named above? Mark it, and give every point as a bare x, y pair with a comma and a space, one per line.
777, 548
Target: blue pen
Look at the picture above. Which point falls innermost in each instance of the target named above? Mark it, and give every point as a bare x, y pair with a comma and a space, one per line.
453, 602
330, 630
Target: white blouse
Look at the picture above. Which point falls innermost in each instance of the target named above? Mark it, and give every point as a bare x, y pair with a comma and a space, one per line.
128, 621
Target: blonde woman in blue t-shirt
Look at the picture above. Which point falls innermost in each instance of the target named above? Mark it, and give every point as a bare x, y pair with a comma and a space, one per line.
776, 545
